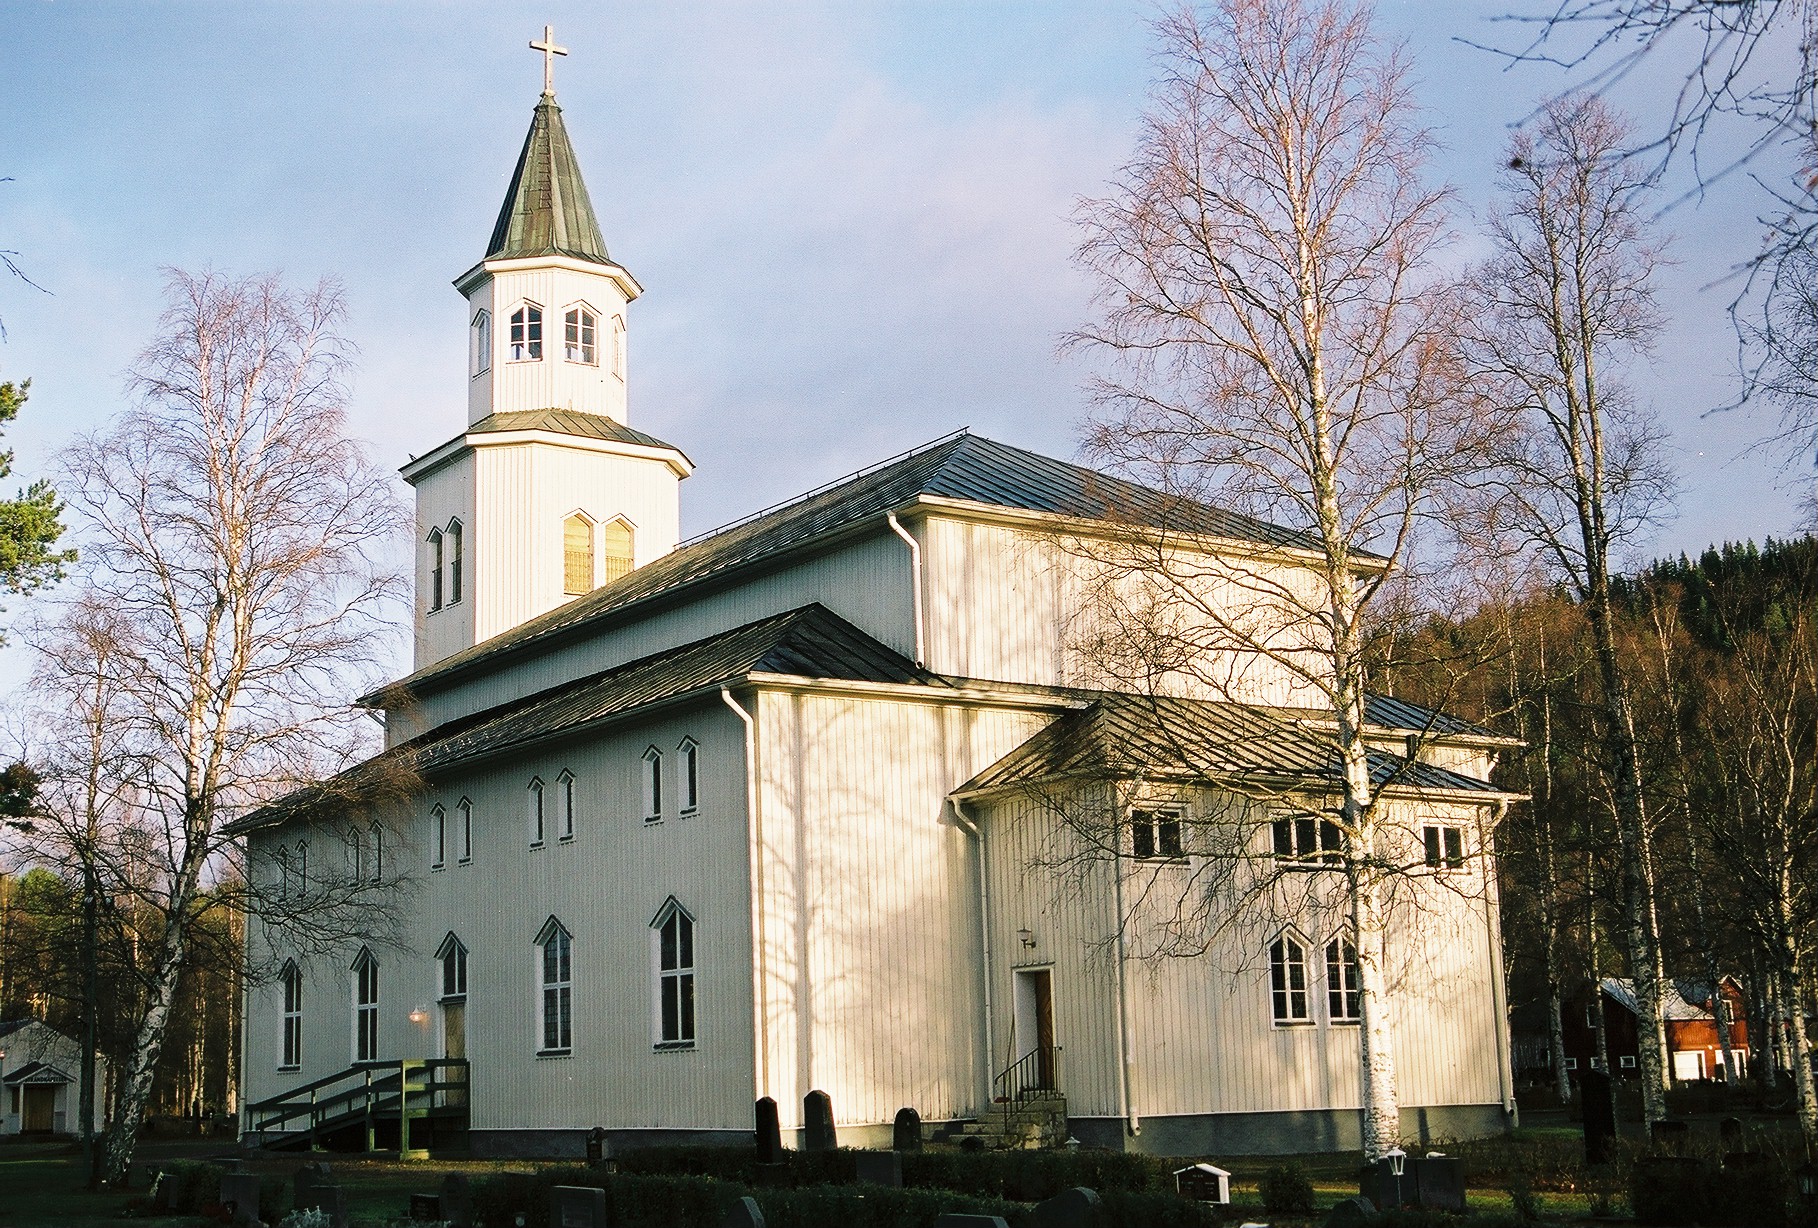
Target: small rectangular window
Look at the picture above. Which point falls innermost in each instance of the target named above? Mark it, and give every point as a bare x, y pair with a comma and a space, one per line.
1626, 1061
1288, 981
1155, 834
1571, 1063
1444, 847
1307, 840
527, 333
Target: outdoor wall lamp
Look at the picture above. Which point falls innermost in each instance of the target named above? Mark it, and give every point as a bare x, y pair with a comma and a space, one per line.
420, 1015
1027, 938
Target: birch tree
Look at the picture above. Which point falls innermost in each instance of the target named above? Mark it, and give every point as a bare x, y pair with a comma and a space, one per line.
1566, 296
240, 539
1277, 338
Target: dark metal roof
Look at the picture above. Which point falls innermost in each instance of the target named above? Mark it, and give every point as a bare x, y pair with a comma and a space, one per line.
1121, 735
1393, 713
9, 1026
546, 210
809, 642
962, 466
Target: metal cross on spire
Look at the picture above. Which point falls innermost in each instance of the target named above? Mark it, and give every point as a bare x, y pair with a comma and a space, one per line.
550, 52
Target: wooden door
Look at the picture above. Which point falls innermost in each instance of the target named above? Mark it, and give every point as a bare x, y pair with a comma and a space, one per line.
1044, 1029
454, 1041
40, 1110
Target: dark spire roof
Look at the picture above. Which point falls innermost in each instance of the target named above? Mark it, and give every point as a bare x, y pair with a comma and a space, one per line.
546, 210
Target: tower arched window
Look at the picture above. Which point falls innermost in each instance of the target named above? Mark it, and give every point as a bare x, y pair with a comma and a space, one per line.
577, 555
616, 550
579, 328
527, 333
452, 540
479, 339
435, 570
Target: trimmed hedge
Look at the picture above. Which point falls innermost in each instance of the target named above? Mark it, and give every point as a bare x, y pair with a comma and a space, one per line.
673, 1200
1669, 1190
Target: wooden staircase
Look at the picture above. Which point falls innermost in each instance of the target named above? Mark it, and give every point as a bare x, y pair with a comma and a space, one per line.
409, 1107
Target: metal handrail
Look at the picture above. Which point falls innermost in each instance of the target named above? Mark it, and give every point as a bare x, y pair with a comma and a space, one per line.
381, 1088
1024, 1076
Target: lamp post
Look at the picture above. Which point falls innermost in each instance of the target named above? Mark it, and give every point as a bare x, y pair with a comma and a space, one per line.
1398, 1164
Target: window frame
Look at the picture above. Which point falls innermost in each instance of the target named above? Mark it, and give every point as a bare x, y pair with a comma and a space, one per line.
438, 818
434, 541
1287, 954
1155, 834
455, 536
356, 856
1312, 842
575, 570
302, 869
282, 858
617, 341
465, 808
651, 774
535, 812
525, 335
365, 1007
290, 1015
555, 988
451, 973
377, 831
580, 333
479, 348
675, 1014
1344, 981
1443, 846
610, 566
688, 777
1625, 1061
564, 806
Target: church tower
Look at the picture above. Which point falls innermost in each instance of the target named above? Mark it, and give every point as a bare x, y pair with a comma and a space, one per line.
549, 493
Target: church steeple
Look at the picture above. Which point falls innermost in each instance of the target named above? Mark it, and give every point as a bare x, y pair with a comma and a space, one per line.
547, 211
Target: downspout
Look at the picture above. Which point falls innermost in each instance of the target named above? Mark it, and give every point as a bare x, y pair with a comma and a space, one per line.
1125, 1072
760, 1003
915, 584
1493, 927
984, 931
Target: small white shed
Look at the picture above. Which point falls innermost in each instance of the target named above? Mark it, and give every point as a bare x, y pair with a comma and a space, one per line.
1203, 1183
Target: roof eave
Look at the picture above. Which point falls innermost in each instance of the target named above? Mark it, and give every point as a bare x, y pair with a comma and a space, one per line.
469, 281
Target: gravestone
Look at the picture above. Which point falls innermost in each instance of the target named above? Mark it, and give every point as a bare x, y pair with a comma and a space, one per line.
1078, 1207
906, 1134
1439, 1182
744, 1213
309, 1179
1379, 1184
1730, 1131
879, 1168
769, 1133
1351, 1213
577, 1206
426, 1207
817, 1122
331, 1200
1203, 1183
953, 1219
1599, 1117
456, 1201
240, 1193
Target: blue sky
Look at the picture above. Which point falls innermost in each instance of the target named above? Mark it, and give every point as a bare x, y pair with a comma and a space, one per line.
851, 219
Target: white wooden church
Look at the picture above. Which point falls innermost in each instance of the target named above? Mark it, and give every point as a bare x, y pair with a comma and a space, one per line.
770, 811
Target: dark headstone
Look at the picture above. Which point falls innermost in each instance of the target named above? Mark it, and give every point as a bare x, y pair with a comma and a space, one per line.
160, 1192
769, 1133
457, 1201
1378, 1184
310, 1178
240, 1195
906, 1134
879, 1168
1730, 1131
1439, 1182
1599, 1117
954, 1220
1351, 1213
743, 1214
331, 1200
598, 1150
425, 1207
817, 1122
576, 1206
1078, 1207
1671, 1135
1203, 1183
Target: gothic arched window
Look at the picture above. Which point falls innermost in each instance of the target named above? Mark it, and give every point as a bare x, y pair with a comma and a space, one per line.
479, 356
578, 328
616, 548
366, 1006
453, 540
577, 555
292, 979
556, 976
674, 938
435, 570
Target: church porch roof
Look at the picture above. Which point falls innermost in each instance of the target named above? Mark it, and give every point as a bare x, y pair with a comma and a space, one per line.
963, 467
1124, 736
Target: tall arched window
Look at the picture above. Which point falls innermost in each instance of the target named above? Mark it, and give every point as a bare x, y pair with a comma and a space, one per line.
577, 555
291, 978
452, 955
302, 869
527, 333
653, 785
565, 806
366, 1006
378, 853
534, 804
464, 809
578, 328
479, 350
438, 823
1343, 1000
453, 538
674, 939
688, 775
356, 858
282, 857
556, 970
435, 570
615, 547
1288, 980
618, 347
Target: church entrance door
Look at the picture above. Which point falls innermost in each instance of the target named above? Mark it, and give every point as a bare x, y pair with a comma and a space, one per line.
40, 1110
1035, 1051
